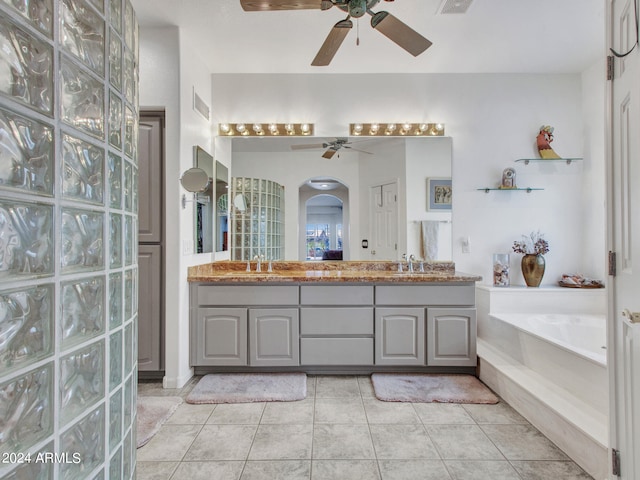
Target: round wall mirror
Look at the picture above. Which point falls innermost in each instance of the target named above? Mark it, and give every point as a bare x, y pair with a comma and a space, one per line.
195, 180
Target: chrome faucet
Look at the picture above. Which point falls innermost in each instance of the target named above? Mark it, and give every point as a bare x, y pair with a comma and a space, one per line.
412, 258
404, 257
259, 259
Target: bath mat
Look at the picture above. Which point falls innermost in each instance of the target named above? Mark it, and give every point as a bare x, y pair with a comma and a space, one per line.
152, 412
249, 387
431, 388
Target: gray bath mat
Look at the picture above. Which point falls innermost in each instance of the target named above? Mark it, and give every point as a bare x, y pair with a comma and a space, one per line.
431, 388
151, 413
249, 387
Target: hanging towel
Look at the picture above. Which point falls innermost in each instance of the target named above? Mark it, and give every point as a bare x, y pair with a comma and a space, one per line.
429, 242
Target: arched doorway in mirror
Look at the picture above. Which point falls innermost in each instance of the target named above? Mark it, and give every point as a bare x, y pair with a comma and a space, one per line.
324, 220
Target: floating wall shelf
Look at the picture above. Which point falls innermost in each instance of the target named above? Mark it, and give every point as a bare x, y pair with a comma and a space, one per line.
565, 160
528, 189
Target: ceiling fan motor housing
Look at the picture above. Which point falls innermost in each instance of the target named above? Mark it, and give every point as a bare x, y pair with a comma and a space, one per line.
358, 8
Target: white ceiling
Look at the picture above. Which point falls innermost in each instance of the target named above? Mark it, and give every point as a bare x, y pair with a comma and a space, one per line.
494, 36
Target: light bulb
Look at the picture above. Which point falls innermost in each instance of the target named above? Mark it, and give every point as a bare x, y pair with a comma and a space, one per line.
423, 127
224, 127
257, 128
373, 129
273, 128
357, 128
304, 128
240, 127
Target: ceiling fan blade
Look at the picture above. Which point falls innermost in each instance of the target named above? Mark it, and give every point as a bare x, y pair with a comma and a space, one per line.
400, 33
329, 153
358, 150
266, 5
308, 145
332, 43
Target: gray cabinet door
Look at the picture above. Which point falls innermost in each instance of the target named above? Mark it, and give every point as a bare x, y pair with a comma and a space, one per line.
150, 176
150, 308
399, 336
451, 337
274, 337
220, 336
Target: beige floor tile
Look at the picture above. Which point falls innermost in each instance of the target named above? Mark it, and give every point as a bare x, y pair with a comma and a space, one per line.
222, 442
442, 414
366, 387
344, 470
462, 442
280, 442
337, 386
402, 442
339, 410
498, 413
277, 469
413, 470
218, 470
155, 470
237, 414
390, 412
187, 414
169, 444
481, 470
523, 442
545, 469
342, 442
298, 413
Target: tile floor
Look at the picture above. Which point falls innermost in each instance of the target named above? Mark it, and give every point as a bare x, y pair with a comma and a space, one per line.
341, 431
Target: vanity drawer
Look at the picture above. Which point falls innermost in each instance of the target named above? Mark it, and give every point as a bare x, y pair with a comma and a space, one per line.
425, 295
336, 351
246, 295
336, 295
336, 321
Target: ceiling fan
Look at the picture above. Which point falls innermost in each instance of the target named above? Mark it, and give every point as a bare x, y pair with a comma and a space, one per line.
331, 147
384, 22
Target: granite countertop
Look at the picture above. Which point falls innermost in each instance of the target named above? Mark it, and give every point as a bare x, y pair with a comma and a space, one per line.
327, 271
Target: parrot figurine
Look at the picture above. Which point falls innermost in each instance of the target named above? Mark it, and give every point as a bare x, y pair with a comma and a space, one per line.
543, 141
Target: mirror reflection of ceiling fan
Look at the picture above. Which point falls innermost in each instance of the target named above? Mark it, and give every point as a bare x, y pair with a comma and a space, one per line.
331, 147
394, 29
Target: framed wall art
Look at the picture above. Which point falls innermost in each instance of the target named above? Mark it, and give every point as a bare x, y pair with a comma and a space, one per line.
439, 193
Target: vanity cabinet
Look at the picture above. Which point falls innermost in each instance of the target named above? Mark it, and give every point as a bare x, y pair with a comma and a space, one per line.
336, 325
451, 337
219, 336
400, 336
329, 327
273, 337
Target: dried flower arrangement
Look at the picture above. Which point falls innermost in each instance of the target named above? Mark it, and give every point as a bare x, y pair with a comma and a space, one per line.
534, 244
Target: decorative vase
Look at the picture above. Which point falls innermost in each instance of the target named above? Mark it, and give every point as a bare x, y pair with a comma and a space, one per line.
532, 269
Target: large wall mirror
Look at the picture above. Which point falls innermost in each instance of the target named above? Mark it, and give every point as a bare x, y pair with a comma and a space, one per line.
399, 165
204, 205
222, 208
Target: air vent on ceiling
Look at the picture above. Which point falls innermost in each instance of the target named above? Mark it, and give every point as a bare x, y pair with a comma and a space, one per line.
455, 6
200, 106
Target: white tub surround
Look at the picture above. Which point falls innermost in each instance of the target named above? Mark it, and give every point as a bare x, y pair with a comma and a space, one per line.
551, 367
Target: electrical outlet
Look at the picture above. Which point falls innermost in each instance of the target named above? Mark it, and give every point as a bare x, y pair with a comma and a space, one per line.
466, 245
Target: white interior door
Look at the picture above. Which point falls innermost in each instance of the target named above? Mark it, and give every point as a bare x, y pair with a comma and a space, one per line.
624, 232
383, 202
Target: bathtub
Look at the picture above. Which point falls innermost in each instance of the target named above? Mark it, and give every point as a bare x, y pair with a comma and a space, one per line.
552, 369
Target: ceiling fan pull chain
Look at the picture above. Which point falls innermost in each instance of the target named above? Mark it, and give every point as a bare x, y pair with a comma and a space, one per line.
357, 32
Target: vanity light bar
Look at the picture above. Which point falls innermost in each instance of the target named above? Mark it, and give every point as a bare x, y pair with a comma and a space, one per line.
397, 129
265, 129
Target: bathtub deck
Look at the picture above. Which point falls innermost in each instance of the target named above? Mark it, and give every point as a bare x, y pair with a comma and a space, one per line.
577, 428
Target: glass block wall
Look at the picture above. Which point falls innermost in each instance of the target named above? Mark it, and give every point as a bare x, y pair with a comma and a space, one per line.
68, 246
257, 219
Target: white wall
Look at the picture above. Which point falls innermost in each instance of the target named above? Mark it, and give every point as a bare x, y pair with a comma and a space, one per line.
170, 69
493, 119
427, 157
